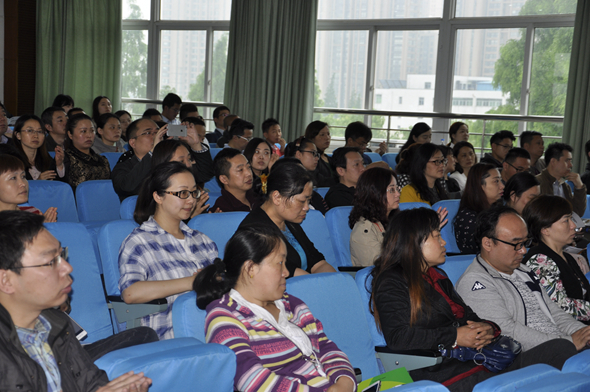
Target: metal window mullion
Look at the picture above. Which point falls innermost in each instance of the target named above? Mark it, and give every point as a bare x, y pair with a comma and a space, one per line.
443, 85
153, 57
208, 64
370, 76
526, 75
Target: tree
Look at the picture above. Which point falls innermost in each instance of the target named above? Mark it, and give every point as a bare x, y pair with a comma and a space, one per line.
134, 60
549, 73
197, 89
317, 92
330, 99
165, 90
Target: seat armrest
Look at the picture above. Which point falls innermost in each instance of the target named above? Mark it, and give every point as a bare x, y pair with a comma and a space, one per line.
350, 269
132, 313
409, 359
420, 353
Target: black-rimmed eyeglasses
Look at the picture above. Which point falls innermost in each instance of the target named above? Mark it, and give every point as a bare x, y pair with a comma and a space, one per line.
518, 245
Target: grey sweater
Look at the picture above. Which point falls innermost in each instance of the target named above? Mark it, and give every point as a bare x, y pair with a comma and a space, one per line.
495, 298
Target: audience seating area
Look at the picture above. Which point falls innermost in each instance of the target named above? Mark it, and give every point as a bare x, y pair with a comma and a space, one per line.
337, 300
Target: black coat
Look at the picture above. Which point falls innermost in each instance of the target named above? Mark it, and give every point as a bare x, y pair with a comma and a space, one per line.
259, 217
19, 372
436, 325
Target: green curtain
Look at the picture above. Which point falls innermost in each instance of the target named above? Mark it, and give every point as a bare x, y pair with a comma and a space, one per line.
576, 127
270, 63
78, 51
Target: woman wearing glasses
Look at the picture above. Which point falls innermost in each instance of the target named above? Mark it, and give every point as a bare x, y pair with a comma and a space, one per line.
483, 188
376, 199
160, 258
427, 167
549, 219
82, 163
29, 139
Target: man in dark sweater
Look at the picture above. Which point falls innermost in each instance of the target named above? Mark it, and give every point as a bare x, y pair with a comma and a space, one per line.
348, 163
501, 143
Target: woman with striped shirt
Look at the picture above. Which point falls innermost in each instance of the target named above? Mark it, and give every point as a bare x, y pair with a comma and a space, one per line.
278, 343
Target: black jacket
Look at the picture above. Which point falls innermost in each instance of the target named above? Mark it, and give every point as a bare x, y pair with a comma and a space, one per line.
18, 372
436, 325
258, 217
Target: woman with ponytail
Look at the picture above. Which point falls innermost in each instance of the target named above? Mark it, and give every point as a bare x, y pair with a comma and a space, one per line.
244, 296
160, 258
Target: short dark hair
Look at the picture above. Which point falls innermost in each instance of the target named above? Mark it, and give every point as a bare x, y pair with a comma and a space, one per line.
422, 156
221, 164
62, 100
151, 112
555, 151
339, 157
132, 128
314, 128
457, 149
71, 125
487, 221
357, 129
122, 112
186, 108
299, 144
77, 109
43, 160
218, 110
287, 177
543, 211
170, 100
454, 128
104, 118
10, 162
516, 152
518, 184
501, 135
47, 115
269, 122
587, 150
18, 229
157, 181
194, 121
527, 137
238, 127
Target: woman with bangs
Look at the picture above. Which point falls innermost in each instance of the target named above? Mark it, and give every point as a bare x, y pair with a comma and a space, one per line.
428, 166
549, 219
29, 139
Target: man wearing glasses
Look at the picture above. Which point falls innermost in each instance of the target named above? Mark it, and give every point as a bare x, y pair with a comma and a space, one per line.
501, 143
240, 133
38, 347
517, 160
499, 288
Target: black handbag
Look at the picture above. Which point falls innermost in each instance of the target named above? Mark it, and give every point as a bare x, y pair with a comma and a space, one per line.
496, 356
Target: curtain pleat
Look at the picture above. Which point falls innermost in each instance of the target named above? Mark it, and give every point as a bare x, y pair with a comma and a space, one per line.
576, 127
78, 51
270, 65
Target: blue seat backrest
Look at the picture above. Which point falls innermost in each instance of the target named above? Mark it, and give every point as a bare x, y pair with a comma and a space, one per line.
89, 307
188, 320
44, 194
128, 207
411, 205
112, 157
110, 238
212, 185
219, 227
448, 230
587, 211
214, 151
363, 280
316, 228
454, 266
335, 301
375, 157
389, 158
97, 201
322, 191
337, 220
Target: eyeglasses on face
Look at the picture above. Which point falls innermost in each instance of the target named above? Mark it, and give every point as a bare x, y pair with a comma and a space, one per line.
518, 169
148, 133
394, 189
184, 194
63, 255
33, 132
518, 245
312, 152
507, 146
246, 138
439, 162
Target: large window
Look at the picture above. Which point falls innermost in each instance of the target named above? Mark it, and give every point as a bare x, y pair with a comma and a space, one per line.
489, 57
175, 46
